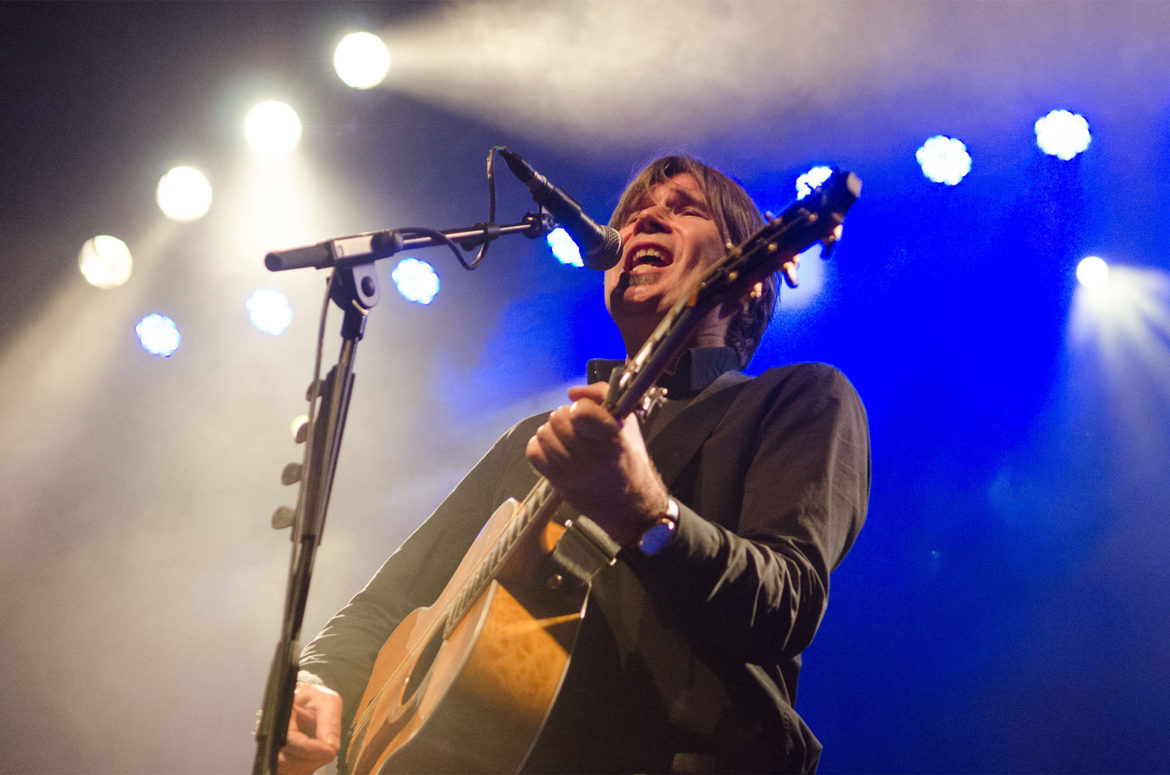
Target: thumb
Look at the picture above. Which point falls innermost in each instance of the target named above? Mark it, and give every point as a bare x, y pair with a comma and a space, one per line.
595, 392
329, 719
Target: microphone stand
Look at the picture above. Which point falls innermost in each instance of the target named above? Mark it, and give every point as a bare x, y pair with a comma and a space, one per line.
354, 288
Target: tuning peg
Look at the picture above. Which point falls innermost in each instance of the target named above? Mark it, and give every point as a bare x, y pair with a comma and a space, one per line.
283, 517
291, 473
654, 398
298, 427
830, 242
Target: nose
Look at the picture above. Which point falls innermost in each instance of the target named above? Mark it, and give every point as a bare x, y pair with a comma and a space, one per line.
649, 220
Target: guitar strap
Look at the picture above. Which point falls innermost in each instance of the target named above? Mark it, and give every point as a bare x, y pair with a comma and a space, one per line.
584, 548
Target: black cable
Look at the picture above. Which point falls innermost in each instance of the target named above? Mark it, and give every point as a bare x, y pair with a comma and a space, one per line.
490, 230
423, 231
491, 219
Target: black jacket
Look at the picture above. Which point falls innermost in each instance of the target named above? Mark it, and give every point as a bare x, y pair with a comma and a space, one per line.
687, 660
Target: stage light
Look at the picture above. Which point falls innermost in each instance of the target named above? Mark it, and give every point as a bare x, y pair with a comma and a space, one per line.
105, 261
361, 60
1093, 272
416, 280
944, 160
269, 311
158, 334
272, 128
1062, 134
564, 248
1117, 337
811, 179
184, 194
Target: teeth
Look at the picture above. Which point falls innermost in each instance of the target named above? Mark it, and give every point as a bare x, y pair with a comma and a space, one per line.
648, 254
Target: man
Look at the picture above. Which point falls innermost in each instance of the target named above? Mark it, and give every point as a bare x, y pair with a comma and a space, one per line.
688, 656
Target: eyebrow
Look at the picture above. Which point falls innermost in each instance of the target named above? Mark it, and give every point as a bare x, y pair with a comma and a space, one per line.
685, 195
689, 196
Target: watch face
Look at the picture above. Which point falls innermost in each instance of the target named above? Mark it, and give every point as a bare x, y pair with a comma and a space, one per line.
656, 537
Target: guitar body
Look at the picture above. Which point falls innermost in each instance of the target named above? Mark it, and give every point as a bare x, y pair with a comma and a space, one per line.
477, 699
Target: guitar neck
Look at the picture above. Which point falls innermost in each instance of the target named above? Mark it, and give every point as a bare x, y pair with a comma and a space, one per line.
534, 511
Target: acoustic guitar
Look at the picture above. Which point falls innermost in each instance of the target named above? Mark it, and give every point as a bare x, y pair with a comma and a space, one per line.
466, 684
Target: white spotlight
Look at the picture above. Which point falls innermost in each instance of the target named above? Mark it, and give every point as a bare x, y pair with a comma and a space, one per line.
416, 280
1062, 134
105, 261
272, 128
1093, 272
158, 334
944, 160
184, 194
269, 311
811, 179
361, 60
564, 248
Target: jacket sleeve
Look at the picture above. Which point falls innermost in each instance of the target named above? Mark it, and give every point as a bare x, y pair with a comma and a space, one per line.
751, 579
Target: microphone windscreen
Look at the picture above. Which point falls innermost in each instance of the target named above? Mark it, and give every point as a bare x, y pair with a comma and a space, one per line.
607, 254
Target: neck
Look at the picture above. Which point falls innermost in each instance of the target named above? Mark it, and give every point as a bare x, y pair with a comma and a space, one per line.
711, 332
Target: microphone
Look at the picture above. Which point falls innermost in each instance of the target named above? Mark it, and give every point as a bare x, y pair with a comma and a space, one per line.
601, 247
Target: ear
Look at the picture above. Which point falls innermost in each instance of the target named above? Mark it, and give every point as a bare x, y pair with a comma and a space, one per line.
745, 302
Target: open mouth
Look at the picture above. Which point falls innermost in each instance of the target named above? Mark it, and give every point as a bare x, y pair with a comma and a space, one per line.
647, 256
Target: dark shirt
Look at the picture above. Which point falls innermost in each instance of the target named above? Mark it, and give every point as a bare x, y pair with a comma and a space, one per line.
688, 660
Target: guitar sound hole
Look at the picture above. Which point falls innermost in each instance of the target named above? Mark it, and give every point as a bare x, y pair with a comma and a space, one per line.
422, 667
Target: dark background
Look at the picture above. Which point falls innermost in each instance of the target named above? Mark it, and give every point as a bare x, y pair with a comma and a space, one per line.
1006, 607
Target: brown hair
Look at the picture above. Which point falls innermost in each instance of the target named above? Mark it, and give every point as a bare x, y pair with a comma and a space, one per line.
737, 218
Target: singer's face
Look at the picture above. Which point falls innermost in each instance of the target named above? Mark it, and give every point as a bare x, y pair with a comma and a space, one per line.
667, 243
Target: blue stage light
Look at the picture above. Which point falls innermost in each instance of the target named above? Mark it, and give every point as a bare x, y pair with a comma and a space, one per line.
269, 311
1062, 134
416, 280
811, 179
564, 248
158, 334
1092, 272
944, 160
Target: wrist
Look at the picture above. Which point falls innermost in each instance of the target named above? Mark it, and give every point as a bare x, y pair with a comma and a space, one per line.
660, 532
